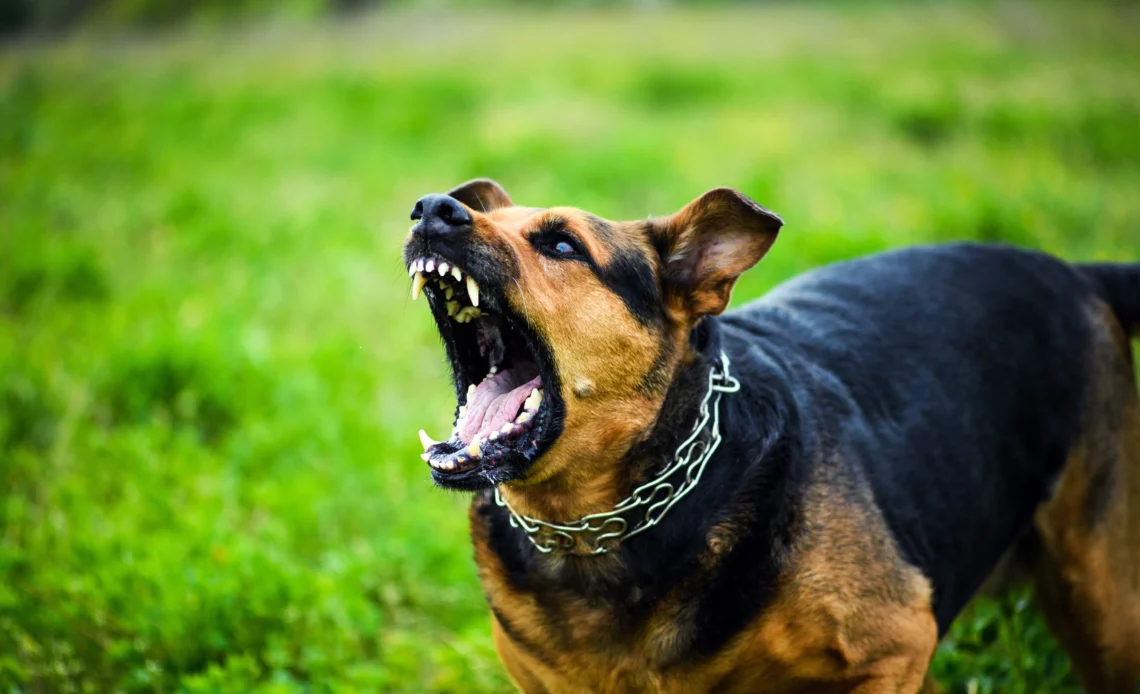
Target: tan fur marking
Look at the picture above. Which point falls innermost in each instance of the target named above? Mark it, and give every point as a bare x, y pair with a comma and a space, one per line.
1089, 571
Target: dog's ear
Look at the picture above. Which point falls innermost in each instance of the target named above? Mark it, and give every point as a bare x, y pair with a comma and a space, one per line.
481, 195
707, 245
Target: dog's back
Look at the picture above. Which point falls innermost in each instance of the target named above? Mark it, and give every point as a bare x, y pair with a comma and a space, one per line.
971, 386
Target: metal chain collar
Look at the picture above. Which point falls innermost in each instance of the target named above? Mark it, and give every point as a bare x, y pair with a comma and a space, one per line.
610, 528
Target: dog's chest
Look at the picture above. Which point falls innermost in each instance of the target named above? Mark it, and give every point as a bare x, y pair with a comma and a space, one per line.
843, 601
560, 643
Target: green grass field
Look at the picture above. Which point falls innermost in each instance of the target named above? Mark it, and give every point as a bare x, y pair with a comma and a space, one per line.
211, 376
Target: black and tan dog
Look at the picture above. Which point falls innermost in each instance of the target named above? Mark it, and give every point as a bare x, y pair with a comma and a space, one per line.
798, 496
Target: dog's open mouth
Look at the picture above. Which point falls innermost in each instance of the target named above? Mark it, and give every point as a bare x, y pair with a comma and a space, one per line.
503, 376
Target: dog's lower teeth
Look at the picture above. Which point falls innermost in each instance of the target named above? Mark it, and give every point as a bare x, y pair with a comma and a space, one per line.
467, 313
474, 449
524, 417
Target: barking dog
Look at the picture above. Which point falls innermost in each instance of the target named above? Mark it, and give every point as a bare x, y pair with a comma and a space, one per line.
799, 495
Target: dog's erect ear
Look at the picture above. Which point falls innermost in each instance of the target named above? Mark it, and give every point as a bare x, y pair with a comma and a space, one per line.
481, 195
708, 244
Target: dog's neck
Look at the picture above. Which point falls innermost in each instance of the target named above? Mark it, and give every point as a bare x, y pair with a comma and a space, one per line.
580, 490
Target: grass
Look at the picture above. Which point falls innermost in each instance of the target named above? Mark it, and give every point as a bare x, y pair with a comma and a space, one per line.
210, 373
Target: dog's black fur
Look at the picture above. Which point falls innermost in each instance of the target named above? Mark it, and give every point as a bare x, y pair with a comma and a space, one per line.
947, 379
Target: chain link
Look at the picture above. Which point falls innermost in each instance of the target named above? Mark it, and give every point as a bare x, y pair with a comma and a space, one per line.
610, 528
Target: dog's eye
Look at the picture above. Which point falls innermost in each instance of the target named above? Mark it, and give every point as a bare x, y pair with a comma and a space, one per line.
558, 245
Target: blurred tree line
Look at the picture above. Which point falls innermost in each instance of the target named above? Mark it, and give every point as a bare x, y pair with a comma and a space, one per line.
52, 16
20, 16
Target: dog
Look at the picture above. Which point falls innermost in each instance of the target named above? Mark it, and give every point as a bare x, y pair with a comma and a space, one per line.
799, 495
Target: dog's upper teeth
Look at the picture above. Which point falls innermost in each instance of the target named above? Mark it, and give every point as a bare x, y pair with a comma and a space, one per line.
443, 267
533, 400
430, 267
418, 283
426, 440
411, 268
420, 265
456, 273
472, 290
494, 370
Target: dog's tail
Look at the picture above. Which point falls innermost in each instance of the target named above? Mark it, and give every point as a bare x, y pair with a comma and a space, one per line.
1119, 285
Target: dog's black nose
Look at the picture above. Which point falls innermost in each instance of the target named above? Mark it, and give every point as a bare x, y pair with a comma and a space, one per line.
439, 214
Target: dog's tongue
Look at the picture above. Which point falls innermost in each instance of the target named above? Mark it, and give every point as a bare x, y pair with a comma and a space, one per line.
497, 401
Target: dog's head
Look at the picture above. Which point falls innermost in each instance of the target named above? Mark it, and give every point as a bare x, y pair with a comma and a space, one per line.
564, 330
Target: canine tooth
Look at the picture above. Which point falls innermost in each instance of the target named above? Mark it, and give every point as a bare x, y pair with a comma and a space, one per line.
533, 400
443, 268
418, 283
473, 450
426, 440
473, 290
430, 267
456, 273
452, 308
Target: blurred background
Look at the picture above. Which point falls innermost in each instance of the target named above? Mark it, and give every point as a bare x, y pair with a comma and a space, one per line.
211, 376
